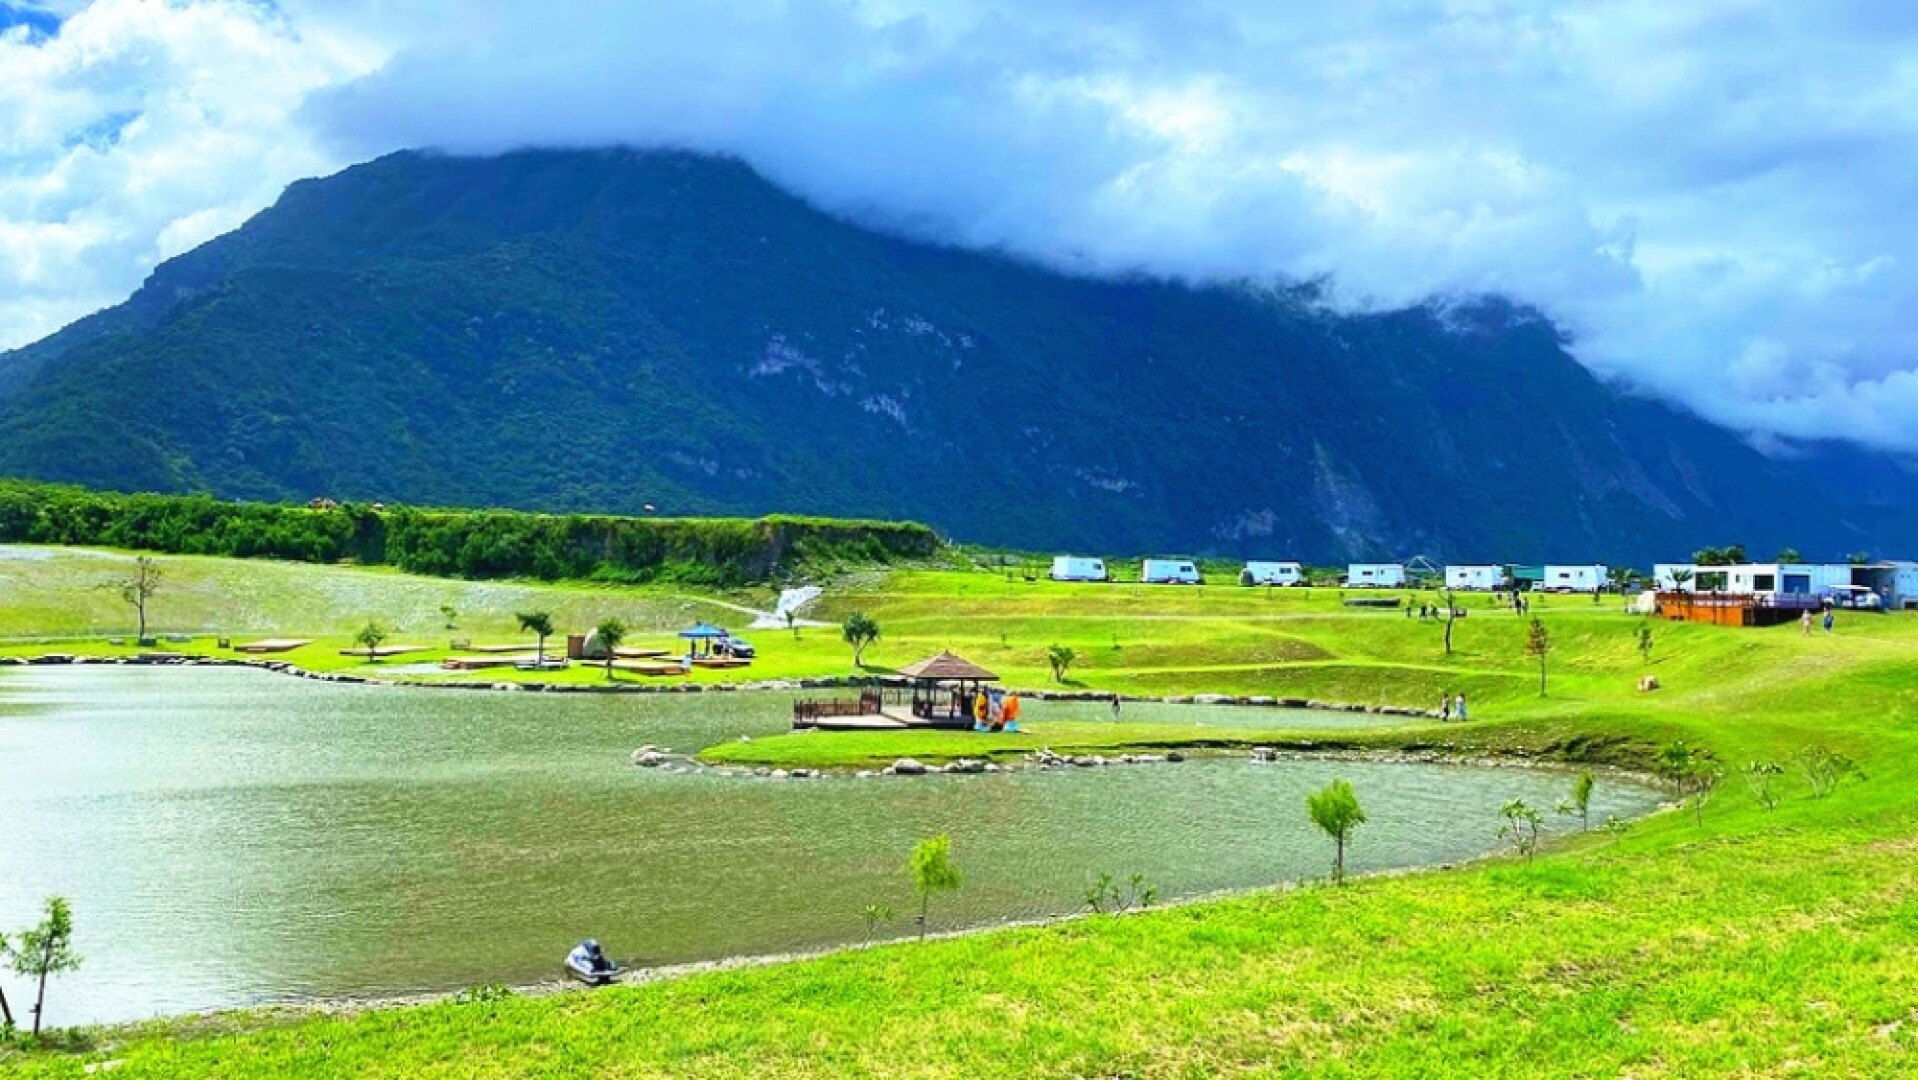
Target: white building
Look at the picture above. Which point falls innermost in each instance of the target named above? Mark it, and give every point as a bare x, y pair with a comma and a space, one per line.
1375, 575
1170, 572
1273, 573
1474, 578
1074, 568
1573, 578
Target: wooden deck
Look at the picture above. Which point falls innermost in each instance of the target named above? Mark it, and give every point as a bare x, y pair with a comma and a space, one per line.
272, 645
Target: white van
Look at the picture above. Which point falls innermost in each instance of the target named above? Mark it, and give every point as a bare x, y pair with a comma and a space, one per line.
1272, 573
1170, 572
1074, 568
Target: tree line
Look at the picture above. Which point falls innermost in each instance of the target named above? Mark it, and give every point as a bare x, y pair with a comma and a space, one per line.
455, 543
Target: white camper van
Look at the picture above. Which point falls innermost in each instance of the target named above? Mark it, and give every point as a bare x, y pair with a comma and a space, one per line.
1075, 568
1170, 572
1272, 573
1474, 578
1577, 579
1375, 575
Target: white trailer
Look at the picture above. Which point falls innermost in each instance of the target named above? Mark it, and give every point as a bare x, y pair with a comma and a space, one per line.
1586, 579
1170, 572
1273, 573
1375, 575
1791, 579
1475, 578
1075, 568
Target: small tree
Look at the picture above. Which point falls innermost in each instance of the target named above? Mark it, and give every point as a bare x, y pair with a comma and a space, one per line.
1061, 658
931, 871
1521, 825
1336, 811
1538, 644
875, 916
6, 1010
1645, 644
451, 615
46, 950
1825, 768
859, 631
540, 625
610, 632
1761, 777
1788, 555
1581, 801
369, 638
1693, 772
139, 586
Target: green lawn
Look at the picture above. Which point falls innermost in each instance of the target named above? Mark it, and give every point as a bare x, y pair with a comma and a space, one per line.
1761, 943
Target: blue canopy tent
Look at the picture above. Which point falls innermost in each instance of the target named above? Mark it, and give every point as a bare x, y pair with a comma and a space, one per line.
700, 638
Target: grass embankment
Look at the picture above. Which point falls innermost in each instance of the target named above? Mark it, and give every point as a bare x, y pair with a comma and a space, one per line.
1760, 943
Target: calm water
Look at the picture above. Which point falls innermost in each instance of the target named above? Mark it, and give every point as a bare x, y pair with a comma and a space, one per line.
232, 837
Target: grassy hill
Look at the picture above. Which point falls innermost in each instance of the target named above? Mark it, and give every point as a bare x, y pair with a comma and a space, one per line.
1753, 942
597, 331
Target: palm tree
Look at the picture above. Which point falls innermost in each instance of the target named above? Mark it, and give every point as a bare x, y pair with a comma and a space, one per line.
539, 624
610, 633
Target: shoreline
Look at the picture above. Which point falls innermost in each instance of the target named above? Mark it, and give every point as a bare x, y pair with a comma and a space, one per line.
240, 1018
823, 682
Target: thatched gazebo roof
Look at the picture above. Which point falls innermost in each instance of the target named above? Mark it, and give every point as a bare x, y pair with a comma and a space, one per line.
947, 668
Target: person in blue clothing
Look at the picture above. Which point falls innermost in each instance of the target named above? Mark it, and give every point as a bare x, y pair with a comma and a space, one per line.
1829, 619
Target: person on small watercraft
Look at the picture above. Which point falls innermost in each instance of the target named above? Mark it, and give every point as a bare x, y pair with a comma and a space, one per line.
588, 957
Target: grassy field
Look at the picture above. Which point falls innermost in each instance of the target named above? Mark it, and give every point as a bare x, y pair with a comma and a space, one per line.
1760, 942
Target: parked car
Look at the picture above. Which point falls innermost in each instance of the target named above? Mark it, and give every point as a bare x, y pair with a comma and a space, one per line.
736, 647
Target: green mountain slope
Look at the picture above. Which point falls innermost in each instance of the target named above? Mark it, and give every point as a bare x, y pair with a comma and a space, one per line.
608, 329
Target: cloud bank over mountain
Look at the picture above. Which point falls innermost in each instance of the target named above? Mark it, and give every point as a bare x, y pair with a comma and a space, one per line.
1713, 200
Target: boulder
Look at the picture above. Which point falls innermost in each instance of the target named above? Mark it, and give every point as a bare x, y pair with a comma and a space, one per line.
906, 766
966, 765
1174, 755
1264, 753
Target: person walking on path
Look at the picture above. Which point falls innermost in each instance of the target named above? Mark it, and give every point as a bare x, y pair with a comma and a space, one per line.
1445, 709
1458, 707
1115, 706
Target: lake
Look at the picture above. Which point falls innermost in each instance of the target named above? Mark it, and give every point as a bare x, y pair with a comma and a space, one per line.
233, 837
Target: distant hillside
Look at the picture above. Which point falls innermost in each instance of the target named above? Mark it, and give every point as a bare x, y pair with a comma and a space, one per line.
599, 330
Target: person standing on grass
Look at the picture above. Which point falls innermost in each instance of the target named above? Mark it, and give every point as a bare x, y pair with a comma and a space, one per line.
1804, 621
1445, 709
1458, 707
1830, 618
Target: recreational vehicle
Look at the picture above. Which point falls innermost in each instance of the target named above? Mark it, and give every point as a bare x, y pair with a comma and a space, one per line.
1474, 578
1170, 572
1587, 579
1375, 575
1074, 568
1272, 573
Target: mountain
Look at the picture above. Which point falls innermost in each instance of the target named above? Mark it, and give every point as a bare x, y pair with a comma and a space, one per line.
609, 329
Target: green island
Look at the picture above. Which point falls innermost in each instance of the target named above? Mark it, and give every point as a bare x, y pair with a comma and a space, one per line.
1767, 928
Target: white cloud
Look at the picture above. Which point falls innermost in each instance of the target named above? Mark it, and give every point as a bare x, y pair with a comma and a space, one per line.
1714, 198
137, 131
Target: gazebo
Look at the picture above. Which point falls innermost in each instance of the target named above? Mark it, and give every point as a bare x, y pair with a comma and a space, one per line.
700, 637
943, 687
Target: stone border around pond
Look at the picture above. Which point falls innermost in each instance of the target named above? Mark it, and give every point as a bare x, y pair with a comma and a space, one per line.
281, 667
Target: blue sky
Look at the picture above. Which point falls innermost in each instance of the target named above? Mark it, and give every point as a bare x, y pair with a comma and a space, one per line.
1715, 199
